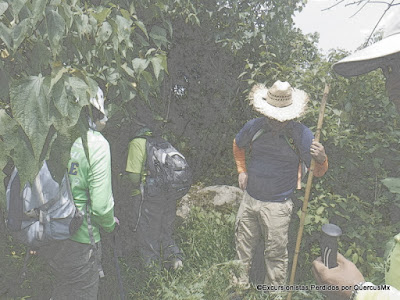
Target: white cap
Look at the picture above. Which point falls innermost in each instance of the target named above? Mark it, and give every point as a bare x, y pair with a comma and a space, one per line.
98, 101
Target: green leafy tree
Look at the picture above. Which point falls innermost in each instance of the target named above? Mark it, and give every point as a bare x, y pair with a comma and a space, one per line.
54, 55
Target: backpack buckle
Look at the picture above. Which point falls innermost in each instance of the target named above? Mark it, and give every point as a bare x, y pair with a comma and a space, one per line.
32, 213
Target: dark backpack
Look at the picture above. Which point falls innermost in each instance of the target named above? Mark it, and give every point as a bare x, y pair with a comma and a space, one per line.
168, 173
42, 212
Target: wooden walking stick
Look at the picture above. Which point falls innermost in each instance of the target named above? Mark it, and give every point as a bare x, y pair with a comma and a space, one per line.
307, 192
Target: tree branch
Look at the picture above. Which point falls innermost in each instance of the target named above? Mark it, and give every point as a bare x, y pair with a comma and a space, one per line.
363, 4
360, 9
380, 19
336, 4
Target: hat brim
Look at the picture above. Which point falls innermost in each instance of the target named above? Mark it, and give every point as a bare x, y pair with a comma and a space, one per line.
369, 58
298, 107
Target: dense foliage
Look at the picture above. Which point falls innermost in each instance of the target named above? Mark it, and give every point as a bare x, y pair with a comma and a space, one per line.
185, 68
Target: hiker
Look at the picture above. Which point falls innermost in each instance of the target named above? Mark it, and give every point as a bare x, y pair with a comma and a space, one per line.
384, 54
76, 261
351, 282
155, 214
279, 148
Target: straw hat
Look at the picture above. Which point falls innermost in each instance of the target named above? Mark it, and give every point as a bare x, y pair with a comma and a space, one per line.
373, 56
280, 102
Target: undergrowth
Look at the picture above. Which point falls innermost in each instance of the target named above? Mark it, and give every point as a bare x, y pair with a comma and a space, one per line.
206, 238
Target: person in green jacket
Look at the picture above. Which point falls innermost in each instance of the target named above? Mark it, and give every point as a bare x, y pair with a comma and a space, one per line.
76, 261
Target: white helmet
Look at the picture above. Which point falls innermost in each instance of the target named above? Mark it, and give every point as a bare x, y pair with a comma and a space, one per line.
98, 101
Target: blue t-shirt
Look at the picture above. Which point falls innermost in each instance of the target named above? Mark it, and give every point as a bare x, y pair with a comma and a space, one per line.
273, 164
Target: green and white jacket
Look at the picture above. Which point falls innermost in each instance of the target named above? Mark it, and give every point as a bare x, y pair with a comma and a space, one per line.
92, 181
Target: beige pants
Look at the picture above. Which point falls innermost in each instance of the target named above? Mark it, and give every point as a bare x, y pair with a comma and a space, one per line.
269, 220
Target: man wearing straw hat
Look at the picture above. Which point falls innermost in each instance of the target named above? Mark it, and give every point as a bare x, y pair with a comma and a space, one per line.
279, 147
385, 55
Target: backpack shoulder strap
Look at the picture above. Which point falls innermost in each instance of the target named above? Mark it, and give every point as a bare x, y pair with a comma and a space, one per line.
289, 140
289, 134
148, 163
15, 202
261, 128
257, 134
292, 144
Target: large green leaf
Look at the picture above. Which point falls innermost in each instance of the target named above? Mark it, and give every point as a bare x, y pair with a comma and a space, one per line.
102, 15
93, 87
24, 159
6, 123
64, 99
20, 32
3, 7
157, 65
168, 25
30, 109
111, 76
393, 184
39, 7
4, 84
9, 130
139, 65
164, 63
14, 143
17, 5
159, 36
141, 41
55, 28
68, 12
128, 70
104, 32
5, 35
56, 74
79, 90
40, 57
124, 30
141, 25
82, 24
69, 95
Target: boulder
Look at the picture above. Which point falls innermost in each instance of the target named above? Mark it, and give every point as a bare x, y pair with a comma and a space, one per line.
216, 195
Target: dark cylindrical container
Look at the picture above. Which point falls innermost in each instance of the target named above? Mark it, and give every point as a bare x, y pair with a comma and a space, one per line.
329, 244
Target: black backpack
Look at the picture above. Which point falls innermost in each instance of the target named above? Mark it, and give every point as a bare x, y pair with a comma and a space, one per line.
42, 211
168, 173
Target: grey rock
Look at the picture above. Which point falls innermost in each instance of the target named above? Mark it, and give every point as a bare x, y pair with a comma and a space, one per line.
217, 195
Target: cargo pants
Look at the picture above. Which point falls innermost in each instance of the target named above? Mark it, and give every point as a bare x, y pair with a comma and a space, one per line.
269, 220
155, 228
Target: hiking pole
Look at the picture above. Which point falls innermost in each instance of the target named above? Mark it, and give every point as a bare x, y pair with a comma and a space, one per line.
307, 192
